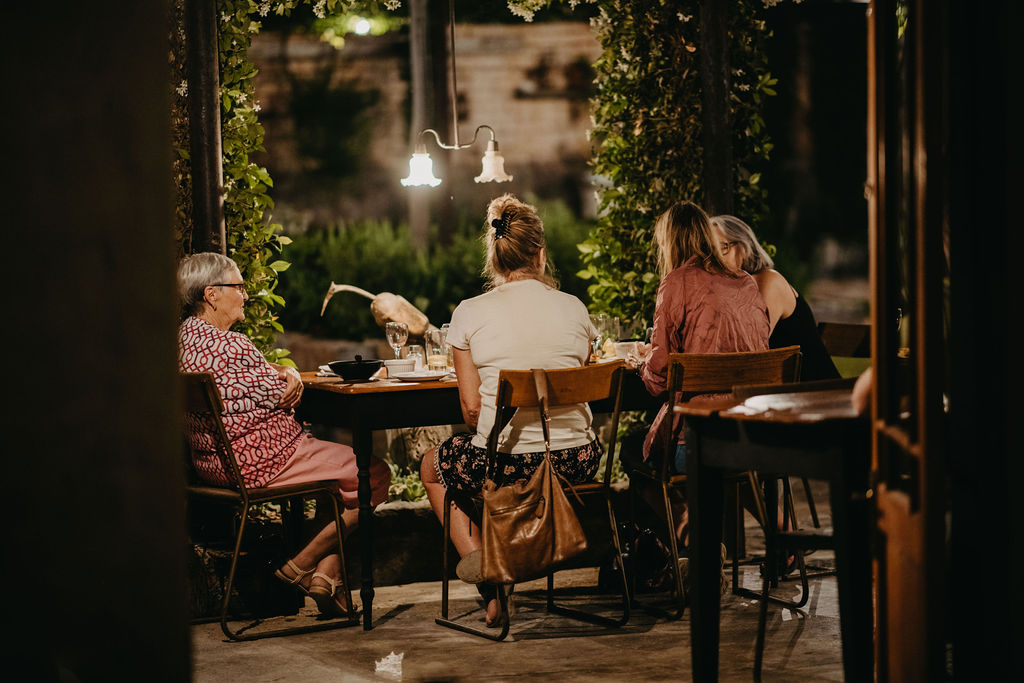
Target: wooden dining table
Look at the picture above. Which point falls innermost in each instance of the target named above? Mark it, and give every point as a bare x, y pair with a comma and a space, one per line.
365, 407
816, 434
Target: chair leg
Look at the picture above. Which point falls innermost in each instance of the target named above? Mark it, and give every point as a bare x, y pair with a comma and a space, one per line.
239, 634
762, 624
810, 503
243, 517
444, 619
587, 616
674, 545
352, 613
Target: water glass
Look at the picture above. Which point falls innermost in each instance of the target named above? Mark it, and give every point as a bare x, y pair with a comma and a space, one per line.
451, 359
437, 351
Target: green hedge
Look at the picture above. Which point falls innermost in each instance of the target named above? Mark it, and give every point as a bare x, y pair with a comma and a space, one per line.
379, 257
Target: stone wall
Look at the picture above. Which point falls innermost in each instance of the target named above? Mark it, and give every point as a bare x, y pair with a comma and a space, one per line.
530, 83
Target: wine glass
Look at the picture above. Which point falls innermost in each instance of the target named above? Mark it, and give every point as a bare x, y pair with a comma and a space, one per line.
397, 334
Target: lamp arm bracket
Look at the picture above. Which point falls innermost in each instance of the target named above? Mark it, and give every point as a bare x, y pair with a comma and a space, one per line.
440, 144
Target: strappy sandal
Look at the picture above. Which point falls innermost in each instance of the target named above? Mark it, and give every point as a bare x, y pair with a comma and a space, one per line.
300, 574
332, 599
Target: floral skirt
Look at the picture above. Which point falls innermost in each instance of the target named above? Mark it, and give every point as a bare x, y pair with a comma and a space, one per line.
462, 467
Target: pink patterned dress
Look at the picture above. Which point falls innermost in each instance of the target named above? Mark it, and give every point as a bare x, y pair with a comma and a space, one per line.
701, 312
262, 435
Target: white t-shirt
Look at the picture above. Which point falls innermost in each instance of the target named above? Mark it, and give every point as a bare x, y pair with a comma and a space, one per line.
519, 326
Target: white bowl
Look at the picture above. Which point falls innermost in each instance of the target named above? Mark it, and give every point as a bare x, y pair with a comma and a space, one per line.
399, 365
622, 349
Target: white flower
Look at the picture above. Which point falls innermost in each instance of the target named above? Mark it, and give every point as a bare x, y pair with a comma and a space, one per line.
242, 98
318, 9
264, 9
392, 4
256, 107
182, 88
225, 17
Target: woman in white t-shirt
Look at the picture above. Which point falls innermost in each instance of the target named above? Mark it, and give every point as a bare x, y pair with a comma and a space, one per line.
521, 322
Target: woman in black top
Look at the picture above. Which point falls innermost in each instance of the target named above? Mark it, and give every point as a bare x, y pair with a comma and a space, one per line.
790, 318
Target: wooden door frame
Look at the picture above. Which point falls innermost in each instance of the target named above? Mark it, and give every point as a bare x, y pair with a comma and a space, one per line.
911, 497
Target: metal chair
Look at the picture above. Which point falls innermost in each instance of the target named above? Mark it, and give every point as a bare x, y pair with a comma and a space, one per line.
516, 389
690, 374
203, 411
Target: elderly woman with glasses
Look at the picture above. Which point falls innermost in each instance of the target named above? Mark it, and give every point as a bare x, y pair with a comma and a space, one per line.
789, 317
259, 397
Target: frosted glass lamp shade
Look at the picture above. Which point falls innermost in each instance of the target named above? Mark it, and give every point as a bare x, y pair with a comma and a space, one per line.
421, 171
493, 169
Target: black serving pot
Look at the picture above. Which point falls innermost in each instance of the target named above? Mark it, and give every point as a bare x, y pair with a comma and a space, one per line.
355, 369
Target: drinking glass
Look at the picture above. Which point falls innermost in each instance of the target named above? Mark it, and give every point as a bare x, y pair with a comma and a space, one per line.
397, 334
437, 353
448, 347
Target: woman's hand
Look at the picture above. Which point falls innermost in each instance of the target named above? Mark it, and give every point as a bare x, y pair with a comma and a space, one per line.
638, 355
293, 390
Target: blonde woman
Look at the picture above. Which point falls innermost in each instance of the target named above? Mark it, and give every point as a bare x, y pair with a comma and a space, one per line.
522, 321
704, 306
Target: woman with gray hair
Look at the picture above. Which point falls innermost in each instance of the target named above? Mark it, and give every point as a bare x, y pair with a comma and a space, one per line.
791, 319
259, 397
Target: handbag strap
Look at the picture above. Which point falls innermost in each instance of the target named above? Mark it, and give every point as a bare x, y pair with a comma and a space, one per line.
540, 381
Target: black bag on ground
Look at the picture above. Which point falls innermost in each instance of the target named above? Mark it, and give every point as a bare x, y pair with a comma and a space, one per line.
648, 562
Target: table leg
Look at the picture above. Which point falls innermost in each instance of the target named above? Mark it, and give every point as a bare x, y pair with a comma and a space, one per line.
704, 497
362, 443
851, 526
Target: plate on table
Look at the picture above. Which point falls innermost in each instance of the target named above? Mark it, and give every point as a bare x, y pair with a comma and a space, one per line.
421, 376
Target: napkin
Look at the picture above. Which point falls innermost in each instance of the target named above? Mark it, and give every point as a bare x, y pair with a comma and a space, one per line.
325, 371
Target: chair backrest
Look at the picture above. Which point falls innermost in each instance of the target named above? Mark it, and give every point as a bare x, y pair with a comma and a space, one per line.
565, 386
203, 415
849, 340
710, 373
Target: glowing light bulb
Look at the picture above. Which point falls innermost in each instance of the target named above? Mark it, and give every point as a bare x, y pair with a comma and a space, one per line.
421, 170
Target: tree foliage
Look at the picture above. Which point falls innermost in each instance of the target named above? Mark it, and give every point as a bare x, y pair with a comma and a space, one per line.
254, 243
646, 134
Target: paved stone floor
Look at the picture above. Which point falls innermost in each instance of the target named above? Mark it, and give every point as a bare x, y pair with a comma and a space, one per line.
802, 645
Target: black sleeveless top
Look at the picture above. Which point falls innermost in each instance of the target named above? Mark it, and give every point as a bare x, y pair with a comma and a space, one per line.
801, 330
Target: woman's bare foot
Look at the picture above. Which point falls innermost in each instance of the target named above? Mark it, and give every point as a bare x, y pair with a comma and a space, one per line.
493, 612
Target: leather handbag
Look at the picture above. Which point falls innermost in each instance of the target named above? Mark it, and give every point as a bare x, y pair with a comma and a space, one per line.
529, 529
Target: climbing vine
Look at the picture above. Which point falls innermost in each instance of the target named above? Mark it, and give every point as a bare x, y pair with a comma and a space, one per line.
646, 133
254, 243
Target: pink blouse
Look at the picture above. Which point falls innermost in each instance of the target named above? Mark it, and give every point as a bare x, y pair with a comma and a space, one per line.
262, 435
701, 312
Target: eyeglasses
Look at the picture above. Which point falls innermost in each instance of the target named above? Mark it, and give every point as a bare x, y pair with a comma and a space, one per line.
724, 247
240, 286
